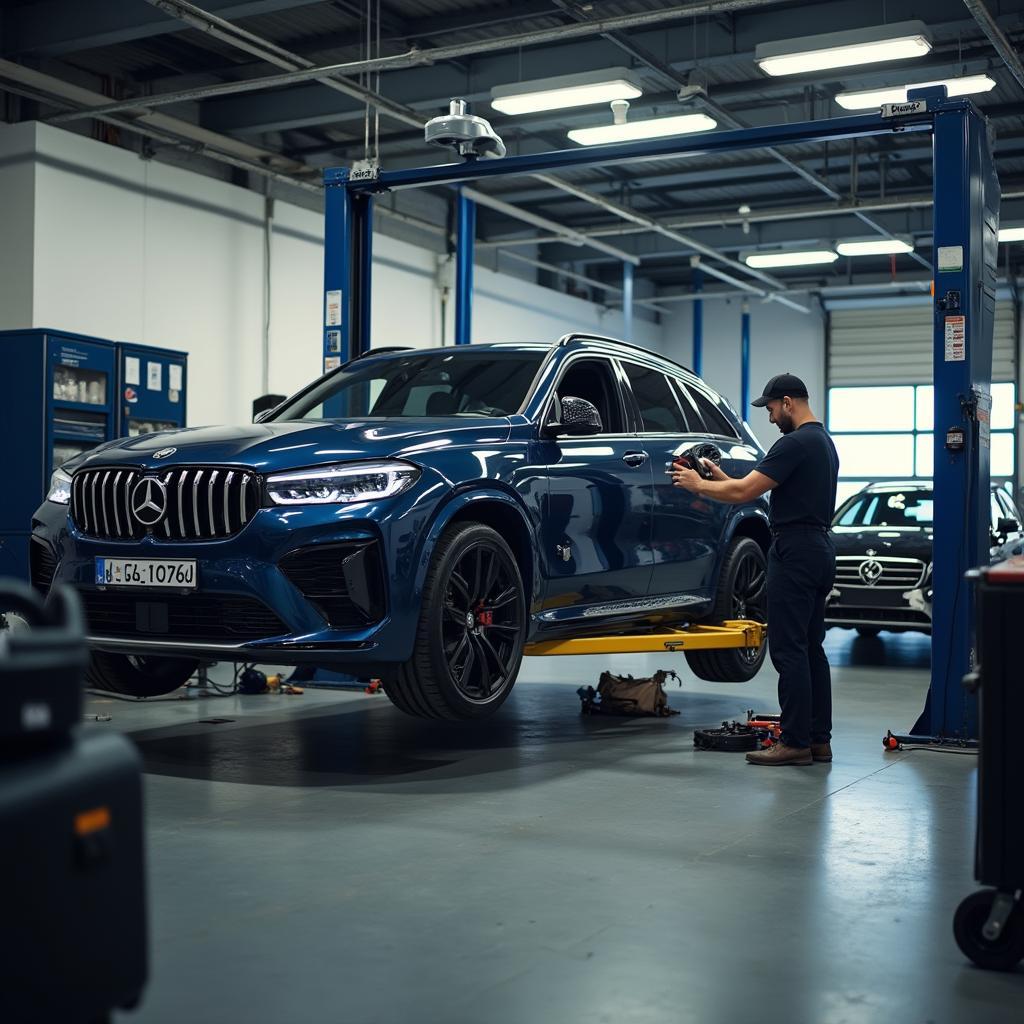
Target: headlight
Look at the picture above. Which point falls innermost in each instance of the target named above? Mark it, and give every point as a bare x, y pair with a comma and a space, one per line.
60, 488
332, 485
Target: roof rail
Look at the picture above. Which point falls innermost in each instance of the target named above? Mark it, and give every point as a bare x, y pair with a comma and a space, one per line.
378, 351
581, 336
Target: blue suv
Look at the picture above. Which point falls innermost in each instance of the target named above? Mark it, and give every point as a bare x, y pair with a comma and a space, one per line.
418, 516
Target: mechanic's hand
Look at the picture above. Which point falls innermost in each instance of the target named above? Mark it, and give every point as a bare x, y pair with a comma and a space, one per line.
687, 479
716, 471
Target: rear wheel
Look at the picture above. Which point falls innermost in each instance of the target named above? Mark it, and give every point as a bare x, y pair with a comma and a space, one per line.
469, 641
138, 676
741, 594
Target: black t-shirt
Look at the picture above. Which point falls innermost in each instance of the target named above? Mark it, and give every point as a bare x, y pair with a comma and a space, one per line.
805, 465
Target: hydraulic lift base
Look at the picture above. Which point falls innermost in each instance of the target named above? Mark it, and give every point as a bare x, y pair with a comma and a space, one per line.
731, 633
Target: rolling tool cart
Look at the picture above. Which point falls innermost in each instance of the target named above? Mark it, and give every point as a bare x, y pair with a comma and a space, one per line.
73, 925
989, 924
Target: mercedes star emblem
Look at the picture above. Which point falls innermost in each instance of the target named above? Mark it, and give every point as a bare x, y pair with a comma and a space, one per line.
149, 501
164, 452
870, 571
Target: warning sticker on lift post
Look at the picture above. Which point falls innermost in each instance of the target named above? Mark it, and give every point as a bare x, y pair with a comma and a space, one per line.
956, 344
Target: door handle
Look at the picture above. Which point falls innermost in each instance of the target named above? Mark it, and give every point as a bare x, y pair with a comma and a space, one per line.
634, 458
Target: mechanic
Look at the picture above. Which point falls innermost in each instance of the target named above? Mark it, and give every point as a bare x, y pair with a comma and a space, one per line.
800, 471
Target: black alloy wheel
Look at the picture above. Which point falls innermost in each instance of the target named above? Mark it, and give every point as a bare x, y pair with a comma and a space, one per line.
482, 621
750, 593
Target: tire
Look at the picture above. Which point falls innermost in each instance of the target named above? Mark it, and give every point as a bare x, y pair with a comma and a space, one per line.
741, 594
460, 671
1004, 953
138, 676
868, 632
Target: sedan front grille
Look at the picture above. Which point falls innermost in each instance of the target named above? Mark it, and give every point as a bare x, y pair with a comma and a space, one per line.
198, 503
881, 572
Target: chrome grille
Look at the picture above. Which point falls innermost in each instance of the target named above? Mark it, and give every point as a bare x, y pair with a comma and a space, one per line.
897, 573
202, 503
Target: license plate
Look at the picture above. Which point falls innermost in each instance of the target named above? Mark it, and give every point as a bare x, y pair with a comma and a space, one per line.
179, 573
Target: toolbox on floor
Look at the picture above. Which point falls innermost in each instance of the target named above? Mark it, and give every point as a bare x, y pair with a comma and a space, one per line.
73, 923
989, 924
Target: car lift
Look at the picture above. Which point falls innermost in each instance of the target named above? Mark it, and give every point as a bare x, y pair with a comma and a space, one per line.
966, 204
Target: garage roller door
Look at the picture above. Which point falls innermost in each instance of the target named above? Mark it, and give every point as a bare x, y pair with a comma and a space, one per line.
893, 345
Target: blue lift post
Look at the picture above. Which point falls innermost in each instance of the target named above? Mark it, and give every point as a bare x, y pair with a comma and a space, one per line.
698, 322
465, 250
965, 197
745, 360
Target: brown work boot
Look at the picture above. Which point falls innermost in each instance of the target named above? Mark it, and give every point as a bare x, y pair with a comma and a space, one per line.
821, 751
781, 754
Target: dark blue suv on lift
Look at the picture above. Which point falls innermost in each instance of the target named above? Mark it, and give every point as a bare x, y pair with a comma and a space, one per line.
418, 516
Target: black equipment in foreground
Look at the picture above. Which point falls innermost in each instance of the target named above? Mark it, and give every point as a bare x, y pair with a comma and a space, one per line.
73, 923
989, 924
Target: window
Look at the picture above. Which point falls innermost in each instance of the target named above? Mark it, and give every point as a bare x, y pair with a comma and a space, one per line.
888, 431
888, 508
467, 383
715, 421
592, 380
659, 408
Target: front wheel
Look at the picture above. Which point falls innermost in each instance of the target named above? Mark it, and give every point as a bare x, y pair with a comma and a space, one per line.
742, 594
137, 675
469, 641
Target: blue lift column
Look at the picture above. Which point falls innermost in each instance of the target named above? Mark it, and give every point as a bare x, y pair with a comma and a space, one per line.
745, 360
465, 246
627, 301
698, 319
966, 221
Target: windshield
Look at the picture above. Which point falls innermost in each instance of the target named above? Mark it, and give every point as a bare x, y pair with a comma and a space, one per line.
435, 384
887, 508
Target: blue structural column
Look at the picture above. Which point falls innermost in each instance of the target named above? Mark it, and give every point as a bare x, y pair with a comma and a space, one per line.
698, 321
362, 271
627, 301
465, 244
745, 360
965, 227
337, 319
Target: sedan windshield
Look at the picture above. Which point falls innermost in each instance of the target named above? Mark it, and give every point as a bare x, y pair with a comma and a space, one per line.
434, 384
887, 508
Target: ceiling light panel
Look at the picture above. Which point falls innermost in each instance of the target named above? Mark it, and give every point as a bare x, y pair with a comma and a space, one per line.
869, 99
902, 41
653, 128
805, 258
1011, 234
875, 247
566, 91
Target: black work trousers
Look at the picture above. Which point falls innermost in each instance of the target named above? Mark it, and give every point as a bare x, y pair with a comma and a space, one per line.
801, 572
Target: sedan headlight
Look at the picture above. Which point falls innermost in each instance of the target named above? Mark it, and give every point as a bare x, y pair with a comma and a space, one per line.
342, 484
60, 488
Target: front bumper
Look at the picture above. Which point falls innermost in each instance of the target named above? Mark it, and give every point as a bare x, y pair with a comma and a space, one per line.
252, 602
889, 608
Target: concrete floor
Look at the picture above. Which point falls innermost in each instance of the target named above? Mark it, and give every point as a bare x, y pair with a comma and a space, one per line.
325, 859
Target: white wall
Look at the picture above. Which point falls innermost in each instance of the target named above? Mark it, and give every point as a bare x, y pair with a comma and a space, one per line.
17, 203
781, 341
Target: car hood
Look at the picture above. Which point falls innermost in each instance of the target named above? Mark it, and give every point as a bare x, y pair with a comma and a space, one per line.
269, 447
902, 543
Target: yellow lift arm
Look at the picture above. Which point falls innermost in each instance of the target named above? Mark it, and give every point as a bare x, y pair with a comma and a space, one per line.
732, 633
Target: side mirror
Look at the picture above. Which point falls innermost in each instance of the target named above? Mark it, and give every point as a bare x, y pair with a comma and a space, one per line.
579, 418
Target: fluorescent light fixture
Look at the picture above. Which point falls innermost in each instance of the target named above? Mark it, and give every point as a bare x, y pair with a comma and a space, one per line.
868, 99
566, 91
901, 41
875, 247
653, 128
807, 258
1011, 234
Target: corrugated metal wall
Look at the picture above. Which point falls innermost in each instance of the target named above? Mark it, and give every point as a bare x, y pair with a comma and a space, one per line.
893, 345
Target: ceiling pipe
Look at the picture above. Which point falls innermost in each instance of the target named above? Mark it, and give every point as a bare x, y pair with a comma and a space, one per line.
996, 37
419, 58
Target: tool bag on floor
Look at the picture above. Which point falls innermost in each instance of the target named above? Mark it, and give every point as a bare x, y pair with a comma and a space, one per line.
624, 695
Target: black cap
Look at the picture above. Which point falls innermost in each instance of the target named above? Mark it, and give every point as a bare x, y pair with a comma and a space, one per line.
779, 387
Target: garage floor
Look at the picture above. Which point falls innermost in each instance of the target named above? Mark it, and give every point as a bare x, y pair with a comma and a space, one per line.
323, 858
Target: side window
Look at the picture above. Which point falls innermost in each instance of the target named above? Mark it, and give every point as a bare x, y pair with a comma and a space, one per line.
593, 380
1009, 509
659, 409
715, 421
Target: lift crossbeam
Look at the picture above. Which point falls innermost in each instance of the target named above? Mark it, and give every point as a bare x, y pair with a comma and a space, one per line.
732, 633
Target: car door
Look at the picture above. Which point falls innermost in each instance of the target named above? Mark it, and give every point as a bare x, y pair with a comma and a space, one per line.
596, 524
685, 528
